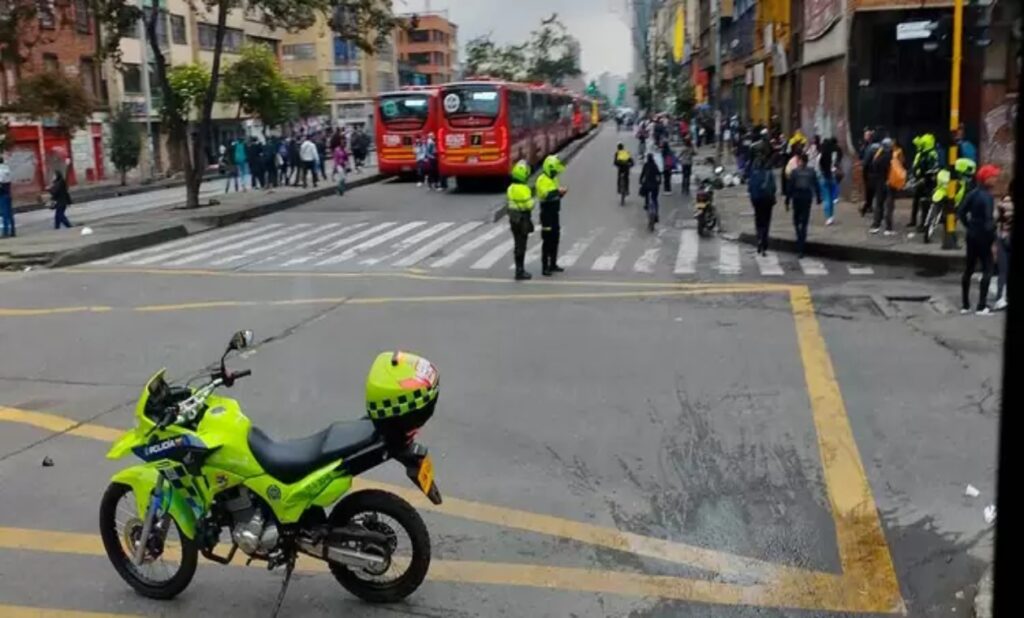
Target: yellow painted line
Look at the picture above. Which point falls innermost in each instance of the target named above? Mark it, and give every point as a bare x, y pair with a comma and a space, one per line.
863, 550
59, 424
20, 611
13, 312
809, 594
339, 300
411, 274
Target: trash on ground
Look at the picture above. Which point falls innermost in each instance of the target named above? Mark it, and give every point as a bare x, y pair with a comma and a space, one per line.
86, 231
971, 491
47, 462
990, 513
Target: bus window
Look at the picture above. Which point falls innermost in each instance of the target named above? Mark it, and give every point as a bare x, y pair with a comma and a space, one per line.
470, 102
518, 109
408, 110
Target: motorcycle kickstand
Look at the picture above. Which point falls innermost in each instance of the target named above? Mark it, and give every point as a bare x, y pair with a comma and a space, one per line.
284, 587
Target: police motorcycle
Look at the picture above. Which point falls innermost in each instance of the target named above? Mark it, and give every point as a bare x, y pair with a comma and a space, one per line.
705, 211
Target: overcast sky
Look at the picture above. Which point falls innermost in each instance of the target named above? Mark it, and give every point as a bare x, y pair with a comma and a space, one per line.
600, 25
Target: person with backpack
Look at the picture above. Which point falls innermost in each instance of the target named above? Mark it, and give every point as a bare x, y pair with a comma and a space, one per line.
802, 185
977, 214
880, 165
868, 148
761, 187
668, 165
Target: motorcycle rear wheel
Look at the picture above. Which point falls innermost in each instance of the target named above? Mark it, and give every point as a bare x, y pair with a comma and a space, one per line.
372, 502
129, 572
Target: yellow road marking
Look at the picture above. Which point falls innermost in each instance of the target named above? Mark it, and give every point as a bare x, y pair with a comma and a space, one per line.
863, 550
824, 594
59, 424
411, 274
20, 611
346, 300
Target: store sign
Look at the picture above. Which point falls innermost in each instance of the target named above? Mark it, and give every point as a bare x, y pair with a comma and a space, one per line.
914, 30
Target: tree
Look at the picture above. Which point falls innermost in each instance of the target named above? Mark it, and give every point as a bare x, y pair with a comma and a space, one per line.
553, 52
125, 142
643, 96
51, 95
485, 57
254, 83
366, 23
308, 98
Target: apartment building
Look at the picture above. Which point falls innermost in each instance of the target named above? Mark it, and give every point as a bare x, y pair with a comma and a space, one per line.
351, 76
428, 52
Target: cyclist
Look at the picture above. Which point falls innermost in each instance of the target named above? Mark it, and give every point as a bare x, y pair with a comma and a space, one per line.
623, 161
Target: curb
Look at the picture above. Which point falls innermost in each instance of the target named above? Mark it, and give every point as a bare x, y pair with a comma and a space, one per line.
89, 194
568, 153
867, 255
116, 246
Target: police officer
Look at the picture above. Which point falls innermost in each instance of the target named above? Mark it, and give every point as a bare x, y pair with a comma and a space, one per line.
926, 166
549, 194
520, 209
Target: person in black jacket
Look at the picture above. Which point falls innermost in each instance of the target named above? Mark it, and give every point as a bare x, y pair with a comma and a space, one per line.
650, 184
802, 187
61, 200
976, 213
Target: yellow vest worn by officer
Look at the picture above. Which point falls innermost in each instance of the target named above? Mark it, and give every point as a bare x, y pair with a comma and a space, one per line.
520, 199
549, 193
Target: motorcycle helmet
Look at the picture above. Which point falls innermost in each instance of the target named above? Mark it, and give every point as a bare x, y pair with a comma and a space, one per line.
401, 392
553, 166
521, 171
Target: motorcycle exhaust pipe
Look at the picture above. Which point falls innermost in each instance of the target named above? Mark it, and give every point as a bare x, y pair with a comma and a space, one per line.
342, 555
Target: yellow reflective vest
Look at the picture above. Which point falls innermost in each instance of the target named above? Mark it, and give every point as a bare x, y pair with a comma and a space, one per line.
520, 198
546, 185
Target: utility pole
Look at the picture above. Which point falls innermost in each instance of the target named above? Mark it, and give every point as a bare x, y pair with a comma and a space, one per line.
716, 85
949, 238
144, 74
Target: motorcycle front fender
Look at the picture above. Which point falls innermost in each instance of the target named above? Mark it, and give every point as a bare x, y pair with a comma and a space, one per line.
143, 479
129, 440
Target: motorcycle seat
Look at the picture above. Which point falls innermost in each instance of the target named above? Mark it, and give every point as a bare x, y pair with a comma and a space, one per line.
291, 460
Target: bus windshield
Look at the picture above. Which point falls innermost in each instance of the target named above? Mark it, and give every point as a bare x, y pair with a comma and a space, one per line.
406, 110
465, 101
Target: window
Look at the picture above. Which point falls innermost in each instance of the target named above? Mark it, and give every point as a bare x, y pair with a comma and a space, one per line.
345, 52
161, 30
178, 30
50, 63
270, 44
419, 36
87, 73
518, 109
420, 58
132, 78
83, 20
233, 38
385, 52
385, 81
345, 80
47, 17
299, 51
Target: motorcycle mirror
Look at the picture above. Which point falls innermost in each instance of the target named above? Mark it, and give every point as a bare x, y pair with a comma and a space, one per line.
240, 340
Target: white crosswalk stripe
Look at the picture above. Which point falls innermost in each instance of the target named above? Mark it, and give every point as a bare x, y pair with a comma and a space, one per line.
768, 265
813, 267
686, 259
464, 250
375, 241
607, 260
729, 258
407, 243
533, 253
475, 246
338, 244
431, 247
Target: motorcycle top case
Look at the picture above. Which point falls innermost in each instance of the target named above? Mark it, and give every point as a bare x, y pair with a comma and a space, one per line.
401, 393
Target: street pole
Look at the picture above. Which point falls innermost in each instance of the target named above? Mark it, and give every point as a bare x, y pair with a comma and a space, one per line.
716, 87
949, 238
144, 74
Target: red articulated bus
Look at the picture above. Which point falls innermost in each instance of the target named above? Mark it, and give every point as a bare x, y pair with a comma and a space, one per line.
485, 127
580, 116
401, 117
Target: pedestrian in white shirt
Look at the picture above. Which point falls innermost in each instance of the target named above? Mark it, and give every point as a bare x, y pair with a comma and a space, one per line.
6, 208
310, 159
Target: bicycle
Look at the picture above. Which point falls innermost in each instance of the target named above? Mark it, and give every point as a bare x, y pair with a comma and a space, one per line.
623, 185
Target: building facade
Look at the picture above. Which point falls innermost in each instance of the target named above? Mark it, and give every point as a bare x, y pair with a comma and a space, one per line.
429, 52
351, 76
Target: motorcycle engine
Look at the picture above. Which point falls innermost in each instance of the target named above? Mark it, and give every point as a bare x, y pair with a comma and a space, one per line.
253, 531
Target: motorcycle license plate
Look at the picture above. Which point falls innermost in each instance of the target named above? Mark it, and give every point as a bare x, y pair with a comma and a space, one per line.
425, 477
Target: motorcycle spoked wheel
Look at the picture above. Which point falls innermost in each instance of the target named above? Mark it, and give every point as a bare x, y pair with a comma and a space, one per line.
120, 528
385, 513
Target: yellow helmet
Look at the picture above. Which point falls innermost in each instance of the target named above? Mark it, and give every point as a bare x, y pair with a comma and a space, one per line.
521, 171
553, 166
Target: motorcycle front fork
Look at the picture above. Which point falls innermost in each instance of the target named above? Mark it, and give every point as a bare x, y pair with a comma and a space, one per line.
155, 501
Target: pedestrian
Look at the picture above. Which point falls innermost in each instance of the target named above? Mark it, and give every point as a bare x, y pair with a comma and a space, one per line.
762, 191
360, 148
686, 154
321, 153
226, 166
925, 169
549, 194
1004, 223
6, 207
803, 186
869, 147
881, 163
796, 148
283, 160
430, 156
339, 157
270, 163
419, 152
650, 185
310, 161
254, 154
830, 175
295, 159
241, 165
61, 199
668, 165
976, 213
965, 149
520, 217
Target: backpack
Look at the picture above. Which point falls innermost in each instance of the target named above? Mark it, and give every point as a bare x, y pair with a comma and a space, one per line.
622, 156
897, 179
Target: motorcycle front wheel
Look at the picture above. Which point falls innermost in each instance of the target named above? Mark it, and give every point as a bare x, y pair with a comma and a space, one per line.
160, 576
407, 551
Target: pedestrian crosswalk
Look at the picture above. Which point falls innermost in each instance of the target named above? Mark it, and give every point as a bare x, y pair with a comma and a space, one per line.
469, 246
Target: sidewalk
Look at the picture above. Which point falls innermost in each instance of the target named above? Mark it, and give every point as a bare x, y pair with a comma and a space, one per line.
848, 239
128, 232
109, 188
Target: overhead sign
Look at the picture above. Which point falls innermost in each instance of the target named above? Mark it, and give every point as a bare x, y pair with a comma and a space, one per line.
914, 30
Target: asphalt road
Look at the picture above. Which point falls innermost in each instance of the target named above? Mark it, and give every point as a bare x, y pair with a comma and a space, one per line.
611, 442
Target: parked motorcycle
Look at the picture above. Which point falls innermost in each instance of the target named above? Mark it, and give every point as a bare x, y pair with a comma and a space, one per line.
208, 470
704, 210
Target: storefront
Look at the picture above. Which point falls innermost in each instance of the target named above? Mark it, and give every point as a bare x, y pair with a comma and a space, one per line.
36, 151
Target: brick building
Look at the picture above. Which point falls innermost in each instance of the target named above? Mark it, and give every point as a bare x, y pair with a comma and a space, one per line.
431, 51
61, 39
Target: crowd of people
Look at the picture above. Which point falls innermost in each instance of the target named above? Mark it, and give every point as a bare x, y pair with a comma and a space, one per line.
293, 160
